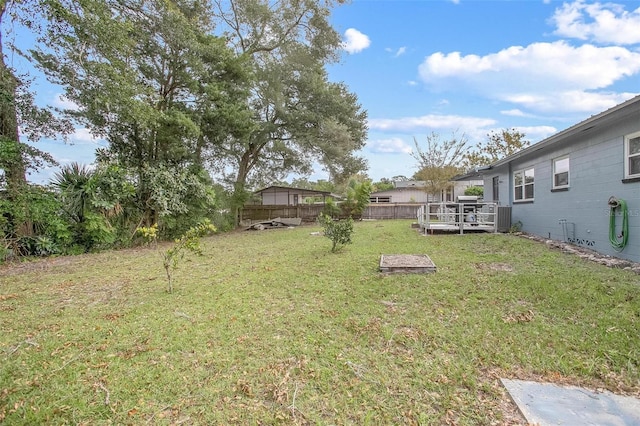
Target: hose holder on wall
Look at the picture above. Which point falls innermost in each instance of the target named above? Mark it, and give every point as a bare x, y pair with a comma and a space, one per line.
618, 241
613, 202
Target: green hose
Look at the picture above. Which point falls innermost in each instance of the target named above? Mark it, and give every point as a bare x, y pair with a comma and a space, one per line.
617, 243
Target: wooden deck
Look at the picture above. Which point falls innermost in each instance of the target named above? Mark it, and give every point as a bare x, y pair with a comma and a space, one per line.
434, 227
457, 217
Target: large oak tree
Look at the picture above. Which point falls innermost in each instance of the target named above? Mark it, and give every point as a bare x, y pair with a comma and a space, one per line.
301, 118
151, 78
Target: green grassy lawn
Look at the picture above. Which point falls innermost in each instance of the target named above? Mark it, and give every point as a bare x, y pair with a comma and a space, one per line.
271, 327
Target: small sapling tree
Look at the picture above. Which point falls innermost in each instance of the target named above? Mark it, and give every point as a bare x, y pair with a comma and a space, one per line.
338, 231
189, 241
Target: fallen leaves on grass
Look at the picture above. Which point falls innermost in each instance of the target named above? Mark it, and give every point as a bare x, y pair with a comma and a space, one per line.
519, 317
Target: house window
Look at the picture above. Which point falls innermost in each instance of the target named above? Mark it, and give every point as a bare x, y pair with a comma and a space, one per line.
379, 199
632, 155
561, 173
523, 185
496, 186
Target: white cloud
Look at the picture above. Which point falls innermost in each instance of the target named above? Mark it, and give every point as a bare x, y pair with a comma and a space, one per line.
558, 72
401, 51
602, 23
569, 101
355, 41
389, 146
537, 133
429, 122
83, 135
59, 101
547, 65
513, 113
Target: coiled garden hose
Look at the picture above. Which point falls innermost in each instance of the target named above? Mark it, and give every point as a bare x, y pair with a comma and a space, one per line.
618, 242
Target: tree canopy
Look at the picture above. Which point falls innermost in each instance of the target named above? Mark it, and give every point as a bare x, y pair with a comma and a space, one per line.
499, 144
238, 87
439, 161
152, 80
300, 118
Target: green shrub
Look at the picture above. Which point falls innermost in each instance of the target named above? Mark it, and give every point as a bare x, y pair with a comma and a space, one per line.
358, 194
330, 209
338, 231
474, 190
149, 234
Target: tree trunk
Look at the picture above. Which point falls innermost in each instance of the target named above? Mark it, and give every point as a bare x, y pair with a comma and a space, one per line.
239, 186
13, 164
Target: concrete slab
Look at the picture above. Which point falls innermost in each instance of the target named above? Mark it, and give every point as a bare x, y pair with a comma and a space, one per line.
549, 404
406, 263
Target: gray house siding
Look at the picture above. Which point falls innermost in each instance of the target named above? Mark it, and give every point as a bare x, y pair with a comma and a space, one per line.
503, 197
579, 214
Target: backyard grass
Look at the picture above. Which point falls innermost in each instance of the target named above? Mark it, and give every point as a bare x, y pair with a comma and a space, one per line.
270, 327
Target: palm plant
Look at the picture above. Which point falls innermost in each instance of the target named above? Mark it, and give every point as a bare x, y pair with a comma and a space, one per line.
74, 184
77, 188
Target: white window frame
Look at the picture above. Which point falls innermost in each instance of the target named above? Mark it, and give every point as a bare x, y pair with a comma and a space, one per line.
628, 156
557, 172
523, 173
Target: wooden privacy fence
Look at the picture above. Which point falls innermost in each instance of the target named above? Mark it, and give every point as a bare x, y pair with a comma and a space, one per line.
391, 211
309, 212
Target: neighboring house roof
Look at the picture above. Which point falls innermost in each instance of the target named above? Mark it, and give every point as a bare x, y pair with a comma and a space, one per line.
301, 191
473, 175
399, 184
398, 190
632, 106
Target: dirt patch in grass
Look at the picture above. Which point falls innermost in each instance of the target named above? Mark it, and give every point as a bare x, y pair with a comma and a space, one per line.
498, 267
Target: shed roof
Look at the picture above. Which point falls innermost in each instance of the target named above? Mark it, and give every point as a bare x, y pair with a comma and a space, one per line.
595, 121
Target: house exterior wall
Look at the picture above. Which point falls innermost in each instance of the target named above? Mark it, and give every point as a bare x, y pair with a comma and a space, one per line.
596, 171
284, 196
503, 197
277, 198
403, 195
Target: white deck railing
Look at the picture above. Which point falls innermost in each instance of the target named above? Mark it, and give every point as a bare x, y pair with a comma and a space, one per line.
458, 217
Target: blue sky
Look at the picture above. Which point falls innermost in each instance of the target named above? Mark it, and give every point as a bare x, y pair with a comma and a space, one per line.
465, 66
472, 66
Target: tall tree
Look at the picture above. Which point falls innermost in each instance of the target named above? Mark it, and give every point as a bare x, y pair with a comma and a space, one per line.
499, 144
439, 161
300, 117
150, 77
19, 116
14, 165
